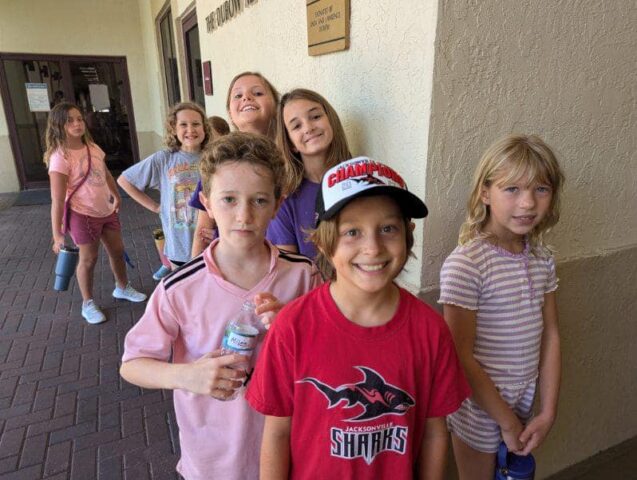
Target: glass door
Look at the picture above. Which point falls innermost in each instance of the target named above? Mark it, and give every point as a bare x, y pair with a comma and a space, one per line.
32, 84
97, 88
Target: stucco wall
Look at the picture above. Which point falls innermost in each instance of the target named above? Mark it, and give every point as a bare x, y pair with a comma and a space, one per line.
381, 86
567, 71
90, 27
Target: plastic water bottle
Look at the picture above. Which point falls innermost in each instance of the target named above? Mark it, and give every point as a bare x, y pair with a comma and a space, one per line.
241, 336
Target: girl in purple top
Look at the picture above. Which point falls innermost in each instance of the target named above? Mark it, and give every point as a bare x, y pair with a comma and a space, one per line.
498, 294
312, 140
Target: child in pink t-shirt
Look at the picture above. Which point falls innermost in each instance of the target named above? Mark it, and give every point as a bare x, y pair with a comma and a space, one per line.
77, 170
175, 345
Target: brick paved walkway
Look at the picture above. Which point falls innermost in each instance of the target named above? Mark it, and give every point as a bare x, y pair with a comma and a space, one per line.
64, 410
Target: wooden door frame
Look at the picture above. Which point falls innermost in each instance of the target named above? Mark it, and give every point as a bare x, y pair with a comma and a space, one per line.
187, 24
68, 85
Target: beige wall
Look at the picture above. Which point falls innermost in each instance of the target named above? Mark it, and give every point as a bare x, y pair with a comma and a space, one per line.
381, 86
90, 27
567, 71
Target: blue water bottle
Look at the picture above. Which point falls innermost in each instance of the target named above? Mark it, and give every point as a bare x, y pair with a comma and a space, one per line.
510, 466
65, 267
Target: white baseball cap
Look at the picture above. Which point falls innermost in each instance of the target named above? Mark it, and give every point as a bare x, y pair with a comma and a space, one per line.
362, 177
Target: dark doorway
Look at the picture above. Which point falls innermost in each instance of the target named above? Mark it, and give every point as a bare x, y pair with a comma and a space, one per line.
193, 59
32, 84
171, 75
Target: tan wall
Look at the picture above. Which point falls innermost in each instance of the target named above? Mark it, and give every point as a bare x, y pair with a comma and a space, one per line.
90, 27
564, 70
381, 86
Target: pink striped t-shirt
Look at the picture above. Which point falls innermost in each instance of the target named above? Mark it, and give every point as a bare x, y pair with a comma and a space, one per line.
507, 291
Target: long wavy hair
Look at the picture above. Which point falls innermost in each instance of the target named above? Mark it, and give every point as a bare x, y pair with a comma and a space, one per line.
338, 150
170, 137
510, 159
273, 91
55, 136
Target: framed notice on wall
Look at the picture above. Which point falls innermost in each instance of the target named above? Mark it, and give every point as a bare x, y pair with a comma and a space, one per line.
327, 26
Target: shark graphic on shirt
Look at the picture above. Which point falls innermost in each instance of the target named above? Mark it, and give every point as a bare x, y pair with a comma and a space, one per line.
373, 393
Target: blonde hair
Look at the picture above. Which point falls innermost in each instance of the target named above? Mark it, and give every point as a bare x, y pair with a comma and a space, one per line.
250, 148
170, 138
55, 136
509, 159
273, 91
338, 150
325, 237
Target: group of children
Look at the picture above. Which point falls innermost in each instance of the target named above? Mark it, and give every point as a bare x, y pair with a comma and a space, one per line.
356, 378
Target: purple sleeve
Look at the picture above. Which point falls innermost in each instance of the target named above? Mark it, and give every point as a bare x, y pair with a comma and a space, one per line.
194, 200
281, 229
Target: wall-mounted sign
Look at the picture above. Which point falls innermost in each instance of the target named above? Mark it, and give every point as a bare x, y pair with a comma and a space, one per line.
38, 97
226, 12
327, 26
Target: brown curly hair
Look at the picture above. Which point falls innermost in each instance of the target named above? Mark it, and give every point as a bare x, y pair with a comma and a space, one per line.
170, 138
257, 150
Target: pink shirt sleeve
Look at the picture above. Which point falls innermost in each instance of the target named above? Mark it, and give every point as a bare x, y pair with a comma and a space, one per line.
155, 332
57, 163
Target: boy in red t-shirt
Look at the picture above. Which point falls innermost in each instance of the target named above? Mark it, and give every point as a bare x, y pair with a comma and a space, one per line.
356, 377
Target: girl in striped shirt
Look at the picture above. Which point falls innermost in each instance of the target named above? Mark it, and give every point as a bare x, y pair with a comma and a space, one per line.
498, 294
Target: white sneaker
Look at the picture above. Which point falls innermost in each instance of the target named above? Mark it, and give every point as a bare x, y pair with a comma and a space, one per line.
92, 313
129, 293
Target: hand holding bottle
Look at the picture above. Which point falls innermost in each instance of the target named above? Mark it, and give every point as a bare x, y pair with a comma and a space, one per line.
212, 375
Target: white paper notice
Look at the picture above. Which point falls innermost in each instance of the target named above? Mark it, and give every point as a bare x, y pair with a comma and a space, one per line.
38, 97
99, 96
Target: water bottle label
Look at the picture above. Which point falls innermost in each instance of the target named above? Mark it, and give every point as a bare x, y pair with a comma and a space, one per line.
242, 340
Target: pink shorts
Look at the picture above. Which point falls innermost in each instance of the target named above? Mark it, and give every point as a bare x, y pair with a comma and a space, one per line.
85, 229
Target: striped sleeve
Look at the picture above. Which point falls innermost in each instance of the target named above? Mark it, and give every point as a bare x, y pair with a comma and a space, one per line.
551, 280
460, 282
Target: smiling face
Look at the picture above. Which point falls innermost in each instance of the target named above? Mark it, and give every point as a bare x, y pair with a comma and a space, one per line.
371, 246
242, 203
189, 130
252, 105
515, 207
74, 127
308, 128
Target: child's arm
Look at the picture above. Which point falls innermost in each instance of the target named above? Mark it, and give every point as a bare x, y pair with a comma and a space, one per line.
275, 448
462, 323
112, 186
209, 375
58, 194
549, 378
203, 233
433, 452
137, 195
